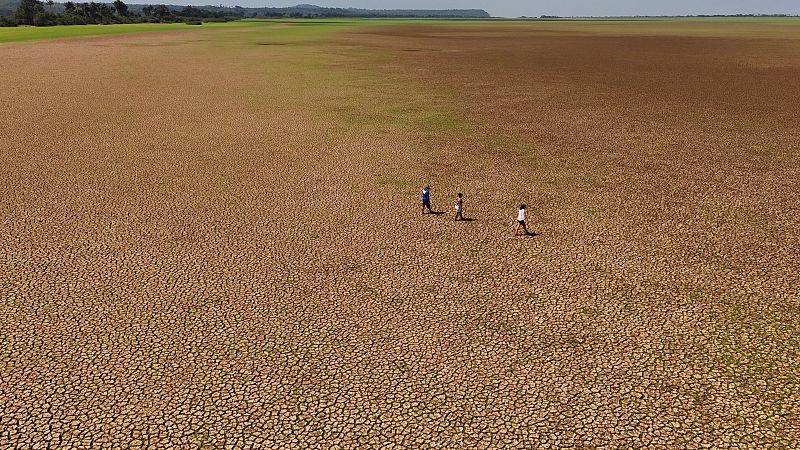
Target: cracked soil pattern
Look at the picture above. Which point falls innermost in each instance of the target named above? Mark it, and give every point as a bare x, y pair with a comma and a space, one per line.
207, 241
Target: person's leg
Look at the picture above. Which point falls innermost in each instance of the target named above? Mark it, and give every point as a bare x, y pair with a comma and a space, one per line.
516, 229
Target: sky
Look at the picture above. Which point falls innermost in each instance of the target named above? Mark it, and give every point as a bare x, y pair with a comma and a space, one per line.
516, 8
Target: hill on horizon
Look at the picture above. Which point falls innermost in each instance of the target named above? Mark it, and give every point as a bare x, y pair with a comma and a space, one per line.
7, 7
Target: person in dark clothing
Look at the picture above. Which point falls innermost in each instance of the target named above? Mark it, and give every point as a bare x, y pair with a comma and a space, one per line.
426, 199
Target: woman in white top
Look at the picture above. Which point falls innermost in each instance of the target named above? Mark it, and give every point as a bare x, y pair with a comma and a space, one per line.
521, 216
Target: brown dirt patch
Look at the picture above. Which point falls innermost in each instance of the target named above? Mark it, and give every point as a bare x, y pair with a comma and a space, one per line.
219, 243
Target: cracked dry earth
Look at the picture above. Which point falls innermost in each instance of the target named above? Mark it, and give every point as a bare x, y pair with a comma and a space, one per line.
211, 243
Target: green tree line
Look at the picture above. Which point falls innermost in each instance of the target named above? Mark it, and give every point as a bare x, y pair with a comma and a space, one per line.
41, 14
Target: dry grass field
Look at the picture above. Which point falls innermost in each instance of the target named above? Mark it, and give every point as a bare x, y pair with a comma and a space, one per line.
212, 238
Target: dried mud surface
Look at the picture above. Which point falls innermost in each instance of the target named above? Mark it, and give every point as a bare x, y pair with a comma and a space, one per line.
205, 241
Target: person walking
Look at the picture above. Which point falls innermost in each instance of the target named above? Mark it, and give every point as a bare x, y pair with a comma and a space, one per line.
459, 207
426, 199
521, 217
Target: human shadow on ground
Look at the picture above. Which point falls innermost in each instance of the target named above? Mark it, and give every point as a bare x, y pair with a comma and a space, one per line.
467, 219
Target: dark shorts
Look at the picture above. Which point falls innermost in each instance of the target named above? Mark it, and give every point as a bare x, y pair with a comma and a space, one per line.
426, 203
521, 222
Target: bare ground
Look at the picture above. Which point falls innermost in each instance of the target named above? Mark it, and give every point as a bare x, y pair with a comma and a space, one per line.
209, 242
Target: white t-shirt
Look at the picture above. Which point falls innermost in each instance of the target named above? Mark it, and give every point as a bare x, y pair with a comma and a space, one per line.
521, 215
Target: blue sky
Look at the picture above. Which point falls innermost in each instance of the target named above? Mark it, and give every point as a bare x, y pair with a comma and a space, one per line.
514, 8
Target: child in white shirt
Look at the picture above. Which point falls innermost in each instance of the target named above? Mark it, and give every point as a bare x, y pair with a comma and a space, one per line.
459, 207
521, 216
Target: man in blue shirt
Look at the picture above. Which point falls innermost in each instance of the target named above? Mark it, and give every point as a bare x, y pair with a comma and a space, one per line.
426, 199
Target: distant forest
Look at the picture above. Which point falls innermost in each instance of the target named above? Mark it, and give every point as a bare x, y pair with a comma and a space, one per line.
45, 13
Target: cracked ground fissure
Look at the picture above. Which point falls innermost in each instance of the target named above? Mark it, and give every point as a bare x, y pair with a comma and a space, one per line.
218, 243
